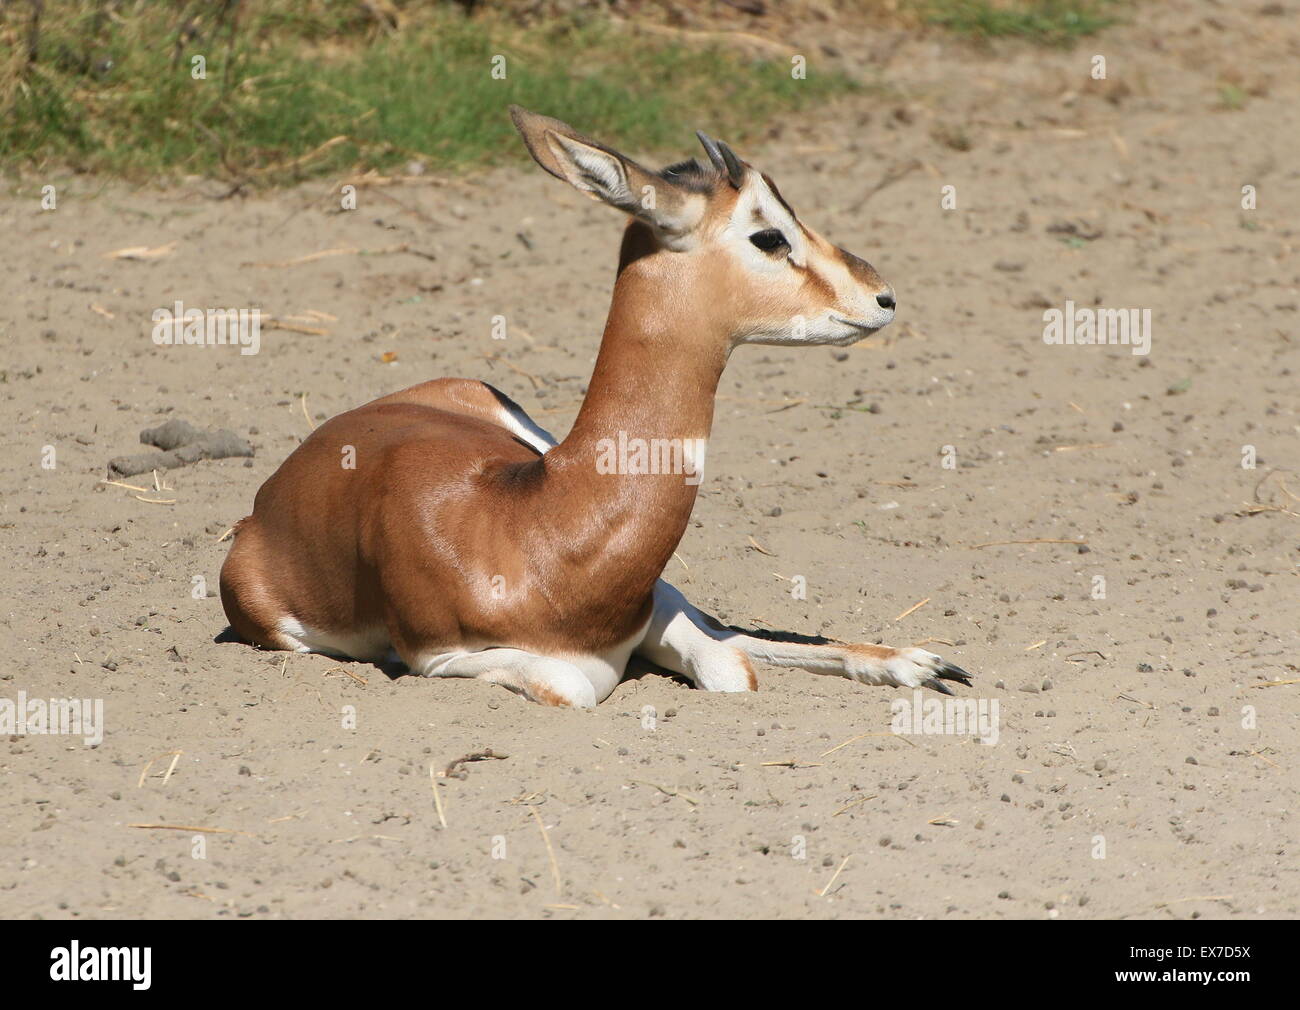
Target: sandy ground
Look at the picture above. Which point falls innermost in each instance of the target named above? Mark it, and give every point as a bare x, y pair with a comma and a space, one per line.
1143, 767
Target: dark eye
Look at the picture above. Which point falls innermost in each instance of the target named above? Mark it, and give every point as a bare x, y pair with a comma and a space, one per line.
770, 240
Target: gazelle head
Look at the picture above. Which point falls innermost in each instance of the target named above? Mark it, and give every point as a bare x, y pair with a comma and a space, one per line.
722, 237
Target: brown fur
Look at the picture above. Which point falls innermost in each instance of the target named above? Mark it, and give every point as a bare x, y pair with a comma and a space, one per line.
751, 677
872, 651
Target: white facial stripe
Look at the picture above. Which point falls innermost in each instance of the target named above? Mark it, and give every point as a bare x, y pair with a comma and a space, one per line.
758, 209
832, 270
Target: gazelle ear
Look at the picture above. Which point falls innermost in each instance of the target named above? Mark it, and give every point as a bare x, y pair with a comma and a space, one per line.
604, 174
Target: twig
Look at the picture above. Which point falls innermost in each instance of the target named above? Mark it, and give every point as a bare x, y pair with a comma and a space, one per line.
912, 609
302, 159
668, 792
792, 763
190, 827
1036, 540
1195, 897
172, 767
1255, 509
893, 175
418, 213
1260, 505
834, 877
555, 867
272, 323
860, 736
515, 368
340, 251
1257, 754
482, 755
141, 252
437, 798
854, 803
145, 771
850, 740
355, 676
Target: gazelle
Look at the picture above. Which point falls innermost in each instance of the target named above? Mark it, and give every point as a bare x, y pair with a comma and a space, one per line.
441, 526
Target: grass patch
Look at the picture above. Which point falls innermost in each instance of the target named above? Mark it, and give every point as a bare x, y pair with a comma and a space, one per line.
1048, 22
109, 86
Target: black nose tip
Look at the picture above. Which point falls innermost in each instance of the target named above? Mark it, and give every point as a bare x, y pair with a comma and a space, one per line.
885, 301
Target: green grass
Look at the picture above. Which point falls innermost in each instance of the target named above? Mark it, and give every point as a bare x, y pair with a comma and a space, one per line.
1049, 22
115, 94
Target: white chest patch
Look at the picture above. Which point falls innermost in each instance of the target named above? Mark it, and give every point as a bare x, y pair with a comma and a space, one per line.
606, 669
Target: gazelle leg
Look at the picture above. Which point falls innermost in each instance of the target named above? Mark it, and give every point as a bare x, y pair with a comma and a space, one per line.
680, 632
538, 678
680, 639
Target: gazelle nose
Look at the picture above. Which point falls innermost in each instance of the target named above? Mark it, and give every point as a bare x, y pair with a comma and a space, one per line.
886, 300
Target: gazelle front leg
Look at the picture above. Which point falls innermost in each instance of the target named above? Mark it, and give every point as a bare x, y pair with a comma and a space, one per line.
684, 639
680, 639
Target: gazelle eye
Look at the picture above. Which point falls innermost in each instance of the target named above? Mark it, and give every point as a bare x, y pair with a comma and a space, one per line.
769, 240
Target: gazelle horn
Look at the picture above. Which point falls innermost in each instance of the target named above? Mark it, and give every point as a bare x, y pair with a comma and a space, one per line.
723, 158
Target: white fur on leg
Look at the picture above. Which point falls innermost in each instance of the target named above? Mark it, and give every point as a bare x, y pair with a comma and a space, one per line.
538, 678
682, 639
678, 639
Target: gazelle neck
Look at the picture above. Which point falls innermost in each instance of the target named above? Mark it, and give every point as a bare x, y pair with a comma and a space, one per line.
655, 378
658, 369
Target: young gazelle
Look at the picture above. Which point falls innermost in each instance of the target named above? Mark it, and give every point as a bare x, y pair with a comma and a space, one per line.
466, 541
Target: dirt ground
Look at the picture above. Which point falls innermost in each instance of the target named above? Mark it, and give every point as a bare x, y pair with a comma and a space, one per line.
1144, 767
